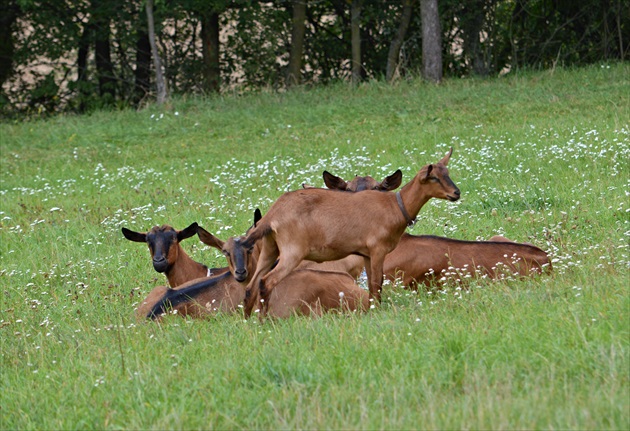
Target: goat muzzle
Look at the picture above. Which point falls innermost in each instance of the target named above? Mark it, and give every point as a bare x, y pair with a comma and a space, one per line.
160, 265
240, 276
455, 196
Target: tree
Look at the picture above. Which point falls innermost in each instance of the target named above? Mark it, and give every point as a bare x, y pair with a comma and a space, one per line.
9, 13
101, 11
471, 22
142, 73
298, 28
162, 92
397, 41
431, 41
210, 51
355, 24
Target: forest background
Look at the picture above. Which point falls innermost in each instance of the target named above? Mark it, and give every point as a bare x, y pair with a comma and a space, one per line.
81, 55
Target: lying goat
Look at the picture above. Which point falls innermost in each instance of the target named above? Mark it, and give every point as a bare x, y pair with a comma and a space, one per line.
225, 292
169, 257
432, 259
322, 225
359, 184
303, 291
195, 298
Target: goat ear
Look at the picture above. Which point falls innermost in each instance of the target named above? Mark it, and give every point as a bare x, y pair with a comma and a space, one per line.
307, 186
257, 216
425, 172
187, 233
209, 239
391, 182
447, 157
134, 236
333, 182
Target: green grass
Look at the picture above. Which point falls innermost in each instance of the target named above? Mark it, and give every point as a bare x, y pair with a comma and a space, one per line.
540, 157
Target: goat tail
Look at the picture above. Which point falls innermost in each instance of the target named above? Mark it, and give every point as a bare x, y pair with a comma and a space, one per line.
258, 232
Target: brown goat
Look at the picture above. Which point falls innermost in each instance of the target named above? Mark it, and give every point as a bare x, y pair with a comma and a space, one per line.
225, 293
429, 259
359, 184
322, 225
352, 264
196, 298
303, 291
169, 257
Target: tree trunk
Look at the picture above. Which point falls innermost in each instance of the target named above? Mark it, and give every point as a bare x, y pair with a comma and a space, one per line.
471, 21
294, 69
210, 51
9, 12
142, 75
431, 41
394, 47
622, 52
102, 50
355, 26
162, 93
82, 71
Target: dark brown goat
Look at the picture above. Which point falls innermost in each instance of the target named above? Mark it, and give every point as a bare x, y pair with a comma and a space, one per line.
169, 257
303, 291
322, 225
430, 260
196, 298
433, 259
359, 184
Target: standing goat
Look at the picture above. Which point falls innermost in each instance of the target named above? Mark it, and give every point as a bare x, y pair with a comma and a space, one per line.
303, 291
432, 259
169, 257
322, 225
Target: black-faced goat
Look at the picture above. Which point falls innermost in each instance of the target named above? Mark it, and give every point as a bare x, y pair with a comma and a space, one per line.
168, 256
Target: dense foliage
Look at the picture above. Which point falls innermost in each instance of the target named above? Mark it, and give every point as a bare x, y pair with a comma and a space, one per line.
84, 54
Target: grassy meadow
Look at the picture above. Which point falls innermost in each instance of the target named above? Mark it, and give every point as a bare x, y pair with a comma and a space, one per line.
540, 157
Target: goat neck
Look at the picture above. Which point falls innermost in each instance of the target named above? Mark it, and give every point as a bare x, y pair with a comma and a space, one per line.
184, 269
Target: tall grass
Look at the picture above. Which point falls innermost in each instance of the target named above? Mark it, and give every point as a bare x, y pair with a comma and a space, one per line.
540, 157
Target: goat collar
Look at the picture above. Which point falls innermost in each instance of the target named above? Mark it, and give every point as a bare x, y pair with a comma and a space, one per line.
410, 221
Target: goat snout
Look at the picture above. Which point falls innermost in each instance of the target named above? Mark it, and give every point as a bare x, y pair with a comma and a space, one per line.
240, 275
160, 264
455, 196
